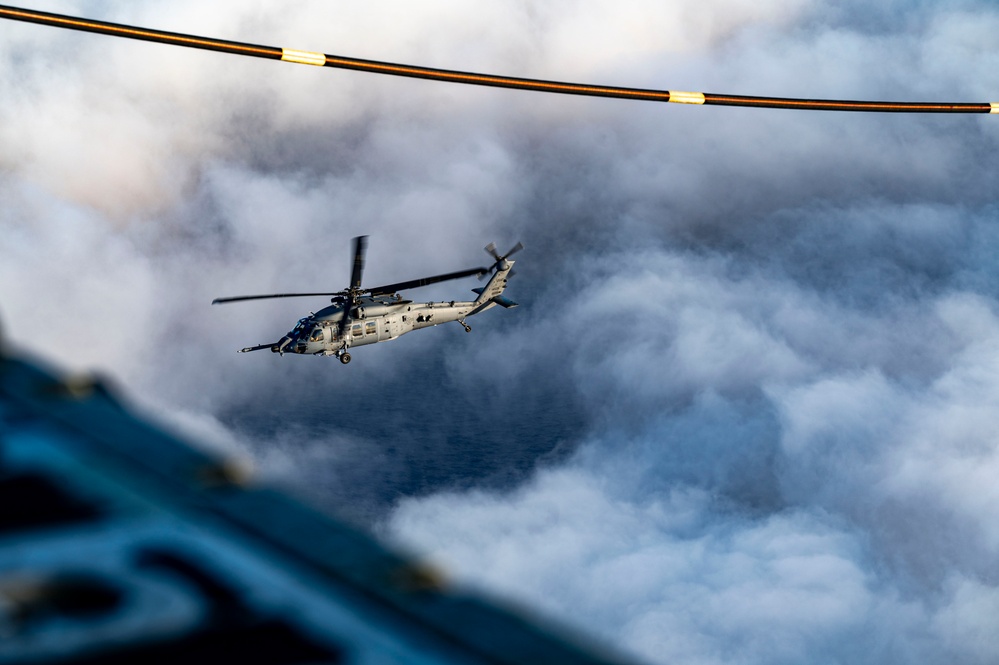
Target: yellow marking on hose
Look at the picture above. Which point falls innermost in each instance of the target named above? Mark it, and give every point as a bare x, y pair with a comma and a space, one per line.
303, 57
995, 107
681, 97
388, 68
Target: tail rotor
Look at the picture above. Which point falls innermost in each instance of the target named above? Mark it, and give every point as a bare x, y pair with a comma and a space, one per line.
500, 261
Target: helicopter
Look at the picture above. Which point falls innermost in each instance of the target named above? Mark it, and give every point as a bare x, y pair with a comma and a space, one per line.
361, 316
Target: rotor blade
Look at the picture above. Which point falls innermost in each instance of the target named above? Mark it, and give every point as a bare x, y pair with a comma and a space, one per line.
471, 78
424, 281
516, 248
491, 249
360, 249
222, 301
346, 319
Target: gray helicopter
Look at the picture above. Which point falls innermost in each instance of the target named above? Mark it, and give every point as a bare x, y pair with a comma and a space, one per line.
362, 316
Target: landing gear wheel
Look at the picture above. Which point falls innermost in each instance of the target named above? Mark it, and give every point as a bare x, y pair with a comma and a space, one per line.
345, 358
468, 328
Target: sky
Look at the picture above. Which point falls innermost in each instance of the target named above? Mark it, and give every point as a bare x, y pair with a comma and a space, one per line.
746, 411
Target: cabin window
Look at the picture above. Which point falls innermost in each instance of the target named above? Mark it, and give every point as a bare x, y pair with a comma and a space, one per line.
317, 335
357, 330
370, 328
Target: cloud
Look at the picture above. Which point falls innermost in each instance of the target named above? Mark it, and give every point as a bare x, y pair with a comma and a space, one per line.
670, 576
759, 515
744, 411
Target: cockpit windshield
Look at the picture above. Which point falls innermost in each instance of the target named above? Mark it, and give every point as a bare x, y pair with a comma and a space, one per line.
300, 328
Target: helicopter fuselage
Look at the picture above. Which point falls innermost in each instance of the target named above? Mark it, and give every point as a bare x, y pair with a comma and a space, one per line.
374, 319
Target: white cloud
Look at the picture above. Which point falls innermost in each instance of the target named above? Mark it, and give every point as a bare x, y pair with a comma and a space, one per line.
745, 412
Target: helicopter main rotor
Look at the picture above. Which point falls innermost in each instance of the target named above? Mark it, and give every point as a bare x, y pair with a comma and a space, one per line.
353, 293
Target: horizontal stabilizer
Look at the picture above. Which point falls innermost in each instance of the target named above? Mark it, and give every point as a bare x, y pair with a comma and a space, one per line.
478, 290
504, 302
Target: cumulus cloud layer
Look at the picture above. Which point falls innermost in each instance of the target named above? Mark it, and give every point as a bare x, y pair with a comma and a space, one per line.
746, 411
767, 479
